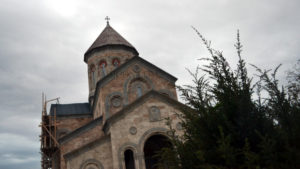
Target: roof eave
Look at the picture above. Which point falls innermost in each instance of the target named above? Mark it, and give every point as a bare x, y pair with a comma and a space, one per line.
89, 52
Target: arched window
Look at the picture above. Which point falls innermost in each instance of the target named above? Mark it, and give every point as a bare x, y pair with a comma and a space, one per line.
129, 159
102, 66
136, 87
93, 74
139, 91
116, 62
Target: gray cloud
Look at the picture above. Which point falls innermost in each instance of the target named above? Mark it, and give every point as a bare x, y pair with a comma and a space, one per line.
42, 45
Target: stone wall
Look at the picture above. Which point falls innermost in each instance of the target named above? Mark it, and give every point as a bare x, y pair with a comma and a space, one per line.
132, 130
128, 130
96, 156
123, 85
107, 55
67, 125
88, 136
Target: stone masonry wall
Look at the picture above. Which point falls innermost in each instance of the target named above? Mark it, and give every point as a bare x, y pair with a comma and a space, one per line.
121, 85
79, 141
97, 156
129, 131
108, 56
132, 130
66, 125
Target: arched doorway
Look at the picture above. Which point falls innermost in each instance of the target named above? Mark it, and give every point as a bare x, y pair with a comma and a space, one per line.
152, 146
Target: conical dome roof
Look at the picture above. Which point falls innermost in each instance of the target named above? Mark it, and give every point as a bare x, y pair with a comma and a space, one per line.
109, 37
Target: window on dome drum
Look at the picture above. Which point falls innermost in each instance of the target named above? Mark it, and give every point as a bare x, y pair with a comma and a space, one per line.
129, 159
103, 65
93, 73
116, 62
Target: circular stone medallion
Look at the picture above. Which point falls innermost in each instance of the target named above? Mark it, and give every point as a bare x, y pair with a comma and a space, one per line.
136, 69
169, 133
132, 130
116, 101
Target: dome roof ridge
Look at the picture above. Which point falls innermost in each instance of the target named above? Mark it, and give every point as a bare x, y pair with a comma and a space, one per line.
108, 37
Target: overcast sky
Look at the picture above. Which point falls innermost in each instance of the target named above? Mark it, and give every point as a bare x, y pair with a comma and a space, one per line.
42, 43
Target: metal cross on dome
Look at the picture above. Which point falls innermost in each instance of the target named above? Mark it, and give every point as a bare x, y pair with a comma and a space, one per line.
107, 19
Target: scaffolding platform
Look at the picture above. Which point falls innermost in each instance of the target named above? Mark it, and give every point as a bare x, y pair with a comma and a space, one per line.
49, 144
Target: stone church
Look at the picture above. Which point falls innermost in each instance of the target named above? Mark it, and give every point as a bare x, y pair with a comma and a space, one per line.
124, 122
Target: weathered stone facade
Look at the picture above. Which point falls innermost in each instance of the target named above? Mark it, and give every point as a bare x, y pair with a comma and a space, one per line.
129, 101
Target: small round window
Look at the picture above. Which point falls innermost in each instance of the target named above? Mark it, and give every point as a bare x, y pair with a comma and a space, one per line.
116, 62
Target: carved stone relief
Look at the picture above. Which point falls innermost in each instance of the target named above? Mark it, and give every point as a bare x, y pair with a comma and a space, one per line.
154, 114
179, 126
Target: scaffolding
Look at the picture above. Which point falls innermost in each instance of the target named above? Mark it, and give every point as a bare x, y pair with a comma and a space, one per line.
49, 145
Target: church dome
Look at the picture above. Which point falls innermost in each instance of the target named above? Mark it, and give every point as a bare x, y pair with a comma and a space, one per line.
109, 38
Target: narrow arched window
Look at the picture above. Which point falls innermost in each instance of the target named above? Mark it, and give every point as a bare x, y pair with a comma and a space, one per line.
129, 159
139, 91
102, 66
93, 73
116, 62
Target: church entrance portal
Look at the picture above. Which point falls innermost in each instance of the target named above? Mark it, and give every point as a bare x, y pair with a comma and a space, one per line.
153, 145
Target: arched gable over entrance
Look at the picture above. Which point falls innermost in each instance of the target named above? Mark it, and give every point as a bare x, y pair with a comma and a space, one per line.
145, 137
154, 145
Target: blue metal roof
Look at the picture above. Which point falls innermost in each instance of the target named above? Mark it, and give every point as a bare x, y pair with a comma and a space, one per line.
70, 109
